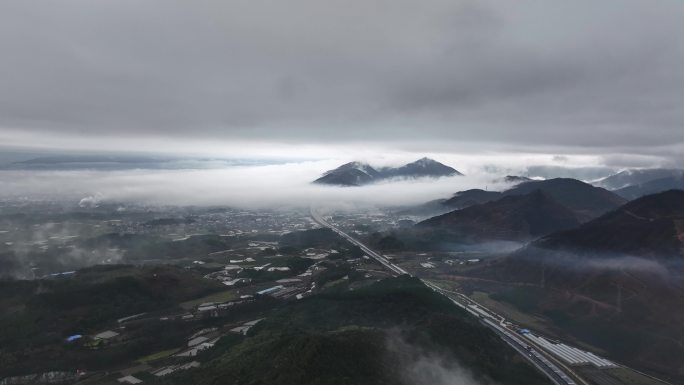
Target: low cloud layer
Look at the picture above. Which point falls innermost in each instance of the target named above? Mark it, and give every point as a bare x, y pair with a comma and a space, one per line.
421, 366
51, 247
270, 186
551, 76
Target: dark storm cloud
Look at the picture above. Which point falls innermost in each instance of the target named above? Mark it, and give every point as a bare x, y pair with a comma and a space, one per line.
549, 76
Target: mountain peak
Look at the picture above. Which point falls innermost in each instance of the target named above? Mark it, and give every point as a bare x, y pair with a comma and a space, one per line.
425, 160
517, 179
349, 174
586, 200
424, 167
355, 165
358, 173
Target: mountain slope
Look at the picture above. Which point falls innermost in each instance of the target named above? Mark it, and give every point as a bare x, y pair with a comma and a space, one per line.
585, 200
372, 335
628, 307
515, 218
652, 187
350, 174
357, 173
35, 315
424, 167
616, 282
471, 197
649, 226
425, 210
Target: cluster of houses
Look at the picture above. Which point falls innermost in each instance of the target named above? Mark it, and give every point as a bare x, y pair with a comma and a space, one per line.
214, 309
201, 340
450, 262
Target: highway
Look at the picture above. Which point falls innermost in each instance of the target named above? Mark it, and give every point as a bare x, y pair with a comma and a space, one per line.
387, 264
558, 373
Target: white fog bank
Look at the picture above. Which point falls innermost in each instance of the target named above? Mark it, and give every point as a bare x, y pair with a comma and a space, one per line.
268, 186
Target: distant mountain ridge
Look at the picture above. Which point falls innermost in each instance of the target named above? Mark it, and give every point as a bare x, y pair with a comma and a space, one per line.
359, 173
632, 177
636, 183
125, 162
56, 159
585, 200
652, 187
513, 218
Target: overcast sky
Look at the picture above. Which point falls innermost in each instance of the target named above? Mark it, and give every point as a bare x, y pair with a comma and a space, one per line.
312, 77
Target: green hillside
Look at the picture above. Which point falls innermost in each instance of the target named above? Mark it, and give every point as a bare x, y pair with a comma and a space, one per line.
374, 335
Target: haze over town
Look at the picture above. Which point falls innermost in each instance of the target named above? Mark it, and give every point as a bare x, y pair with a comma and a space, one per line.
479, 192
